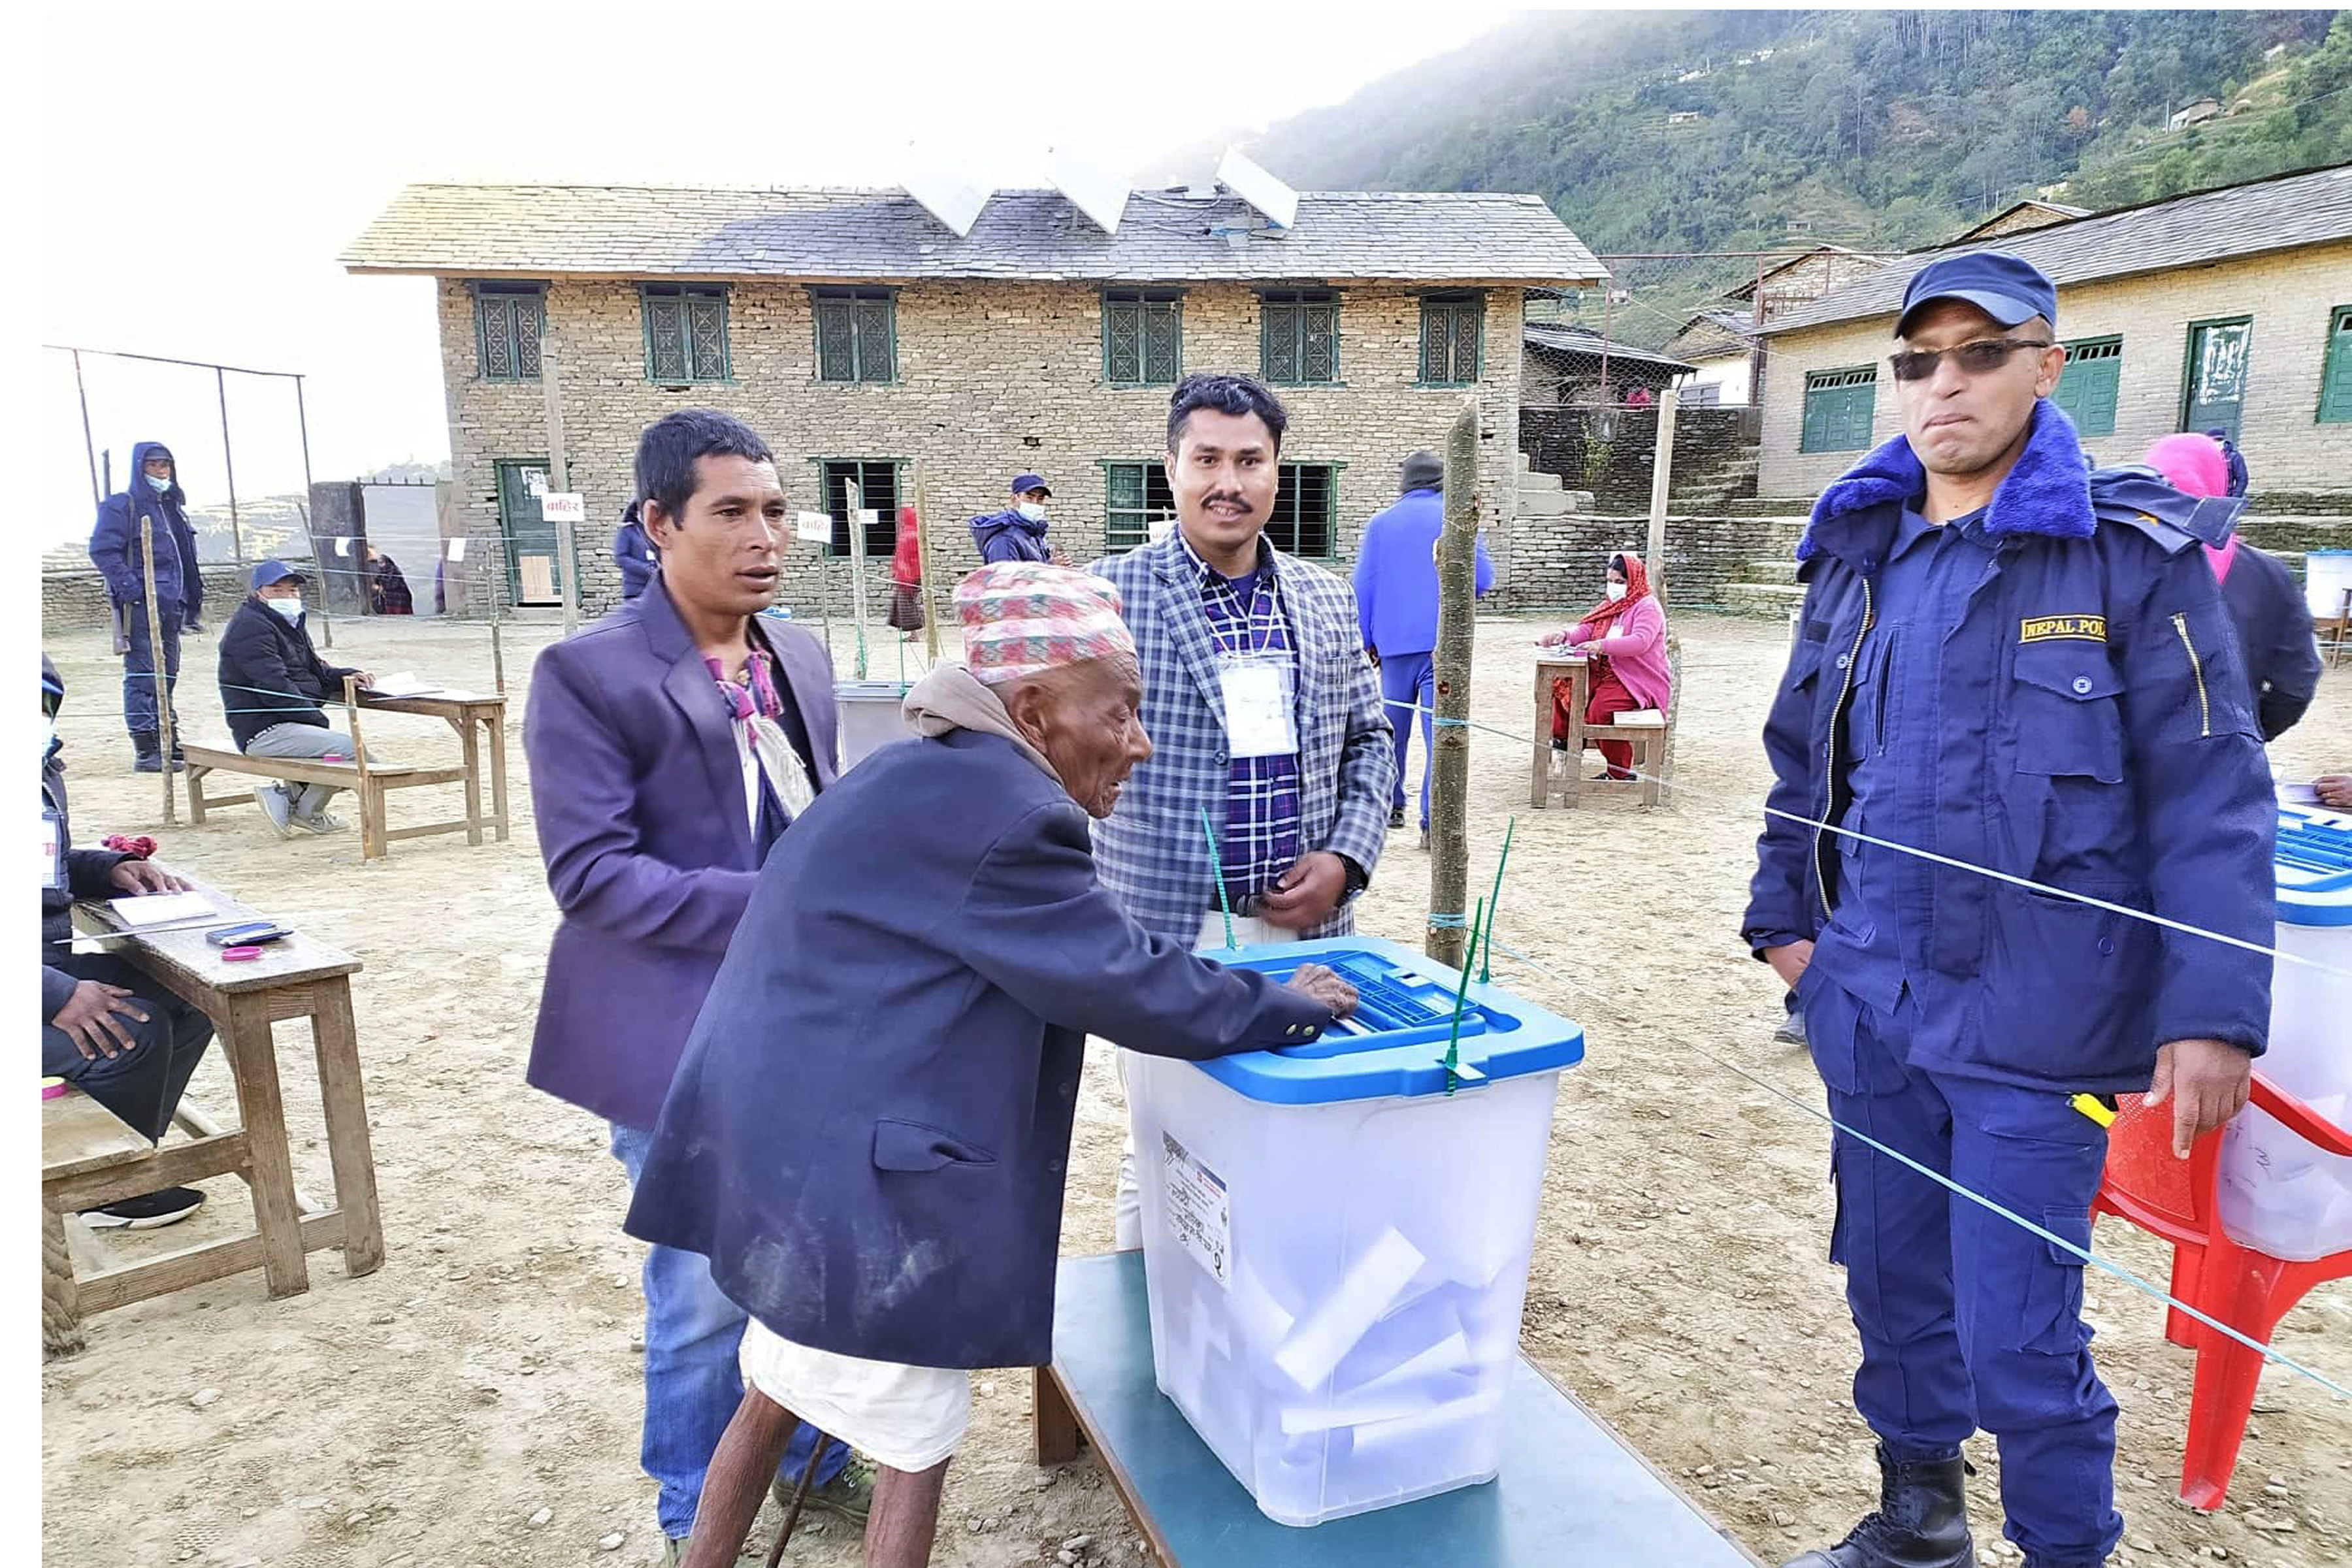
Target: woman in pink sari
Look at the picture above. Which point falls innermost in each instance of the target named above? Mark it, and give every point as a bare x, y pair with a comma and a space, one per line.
1626, 635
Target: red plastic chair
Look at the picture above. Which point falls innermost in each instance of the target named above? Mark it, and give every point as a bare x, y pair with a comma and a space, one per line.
2250, 1290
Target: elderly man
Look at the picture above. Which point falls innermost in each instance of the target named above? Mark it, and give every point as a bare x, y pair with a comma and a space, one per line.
866, 1136
2027, 669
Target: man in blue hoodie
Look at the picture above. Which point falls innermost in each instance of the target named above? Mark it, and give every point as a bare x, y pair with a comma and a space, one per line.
2028, 671
155, 492
1396, 603
1018, 532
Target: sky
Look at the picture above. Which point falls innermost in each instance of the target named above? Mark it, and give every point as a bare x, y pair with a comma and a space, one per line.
203, 221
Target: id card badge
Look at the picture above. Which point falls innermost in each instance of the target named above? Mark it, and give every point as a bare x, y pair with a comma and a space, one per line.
1261, 719
48, 848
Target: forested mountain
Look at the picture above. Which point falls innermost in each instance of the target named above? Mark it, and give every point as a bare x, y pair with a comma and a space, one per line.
1711, 131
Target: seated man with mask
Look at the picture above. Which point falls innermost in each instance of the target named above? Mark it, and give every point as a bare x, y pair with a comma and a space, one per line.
869, 1133
272, 682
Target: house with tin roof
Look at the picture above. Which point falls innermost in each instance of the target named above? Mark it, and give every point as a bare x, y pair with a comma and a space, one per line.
870, 340
2227, 309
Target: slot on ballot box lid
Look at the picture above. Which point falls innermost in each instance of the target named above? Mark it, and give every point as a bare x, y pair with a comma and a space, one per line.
1394, 1044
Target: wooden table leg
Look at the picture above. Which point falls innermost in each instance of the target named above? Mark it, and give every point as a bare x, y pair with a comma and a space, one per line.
336, 1036
197, 793
60, 1299
496, 725
1053, 1426
373, 844
253, 1063
473, 747
1540, 770
1580, 692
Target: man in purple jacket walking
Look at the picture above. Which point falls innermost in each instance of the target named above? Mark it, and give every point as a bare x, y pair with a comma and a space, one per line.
671, 743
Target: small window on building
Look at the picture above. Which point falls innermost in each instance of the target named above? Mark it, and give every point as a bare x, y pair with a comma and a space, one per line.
856, 334
1143, 332
1136, 496
1839, 406
2335, 371
1453, 332
1298, 337
508, 320
685, 332
1305, 512
2088, 387
877, 480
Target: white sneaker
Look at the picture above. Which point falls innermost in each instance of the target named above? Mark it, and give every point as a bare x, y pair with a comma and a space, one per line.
278, 807
325, 822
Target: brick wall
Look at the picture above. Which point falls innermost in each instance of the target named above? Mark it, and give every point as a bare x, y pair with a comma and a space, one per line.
2289, 295
75, 598
993, 379
1617, 473
1560, 562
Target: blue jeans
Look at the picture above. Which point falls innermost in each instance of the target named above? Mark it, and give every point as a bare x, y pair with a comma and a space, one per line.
692, 1382
1410, 677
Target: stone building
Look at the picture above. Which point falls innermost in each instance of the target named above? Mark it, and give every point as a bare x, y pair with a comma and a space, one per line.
873, 346
2228, 308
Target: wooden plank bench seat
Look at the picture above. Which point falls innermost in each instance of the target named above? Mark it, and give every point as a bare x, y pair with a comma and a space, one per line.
1570, 1495
368, 783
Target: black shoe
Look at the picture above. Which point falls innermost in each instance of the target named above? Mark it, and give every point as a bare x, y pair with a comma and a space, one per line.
1791, 1033
1396, 816
1558, 744
147, 756
1921, 1521
150, 1211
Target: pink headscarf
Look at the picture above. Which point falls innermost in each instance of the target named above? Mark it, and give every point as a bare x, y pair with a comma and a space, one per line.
2194, 466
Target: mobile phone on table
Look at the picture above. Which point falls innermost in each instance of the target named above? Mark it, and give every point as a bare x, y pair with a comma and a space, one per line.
246, 935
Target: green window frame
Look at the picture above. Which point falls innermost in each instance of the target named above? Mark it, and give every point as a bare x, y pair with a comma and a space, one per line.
1840, 406
1453, 339
2089, 387
1135, 496
685, 332
1298, 337
879, 489
509, 319
1143, 336
1306, 510
857, 333
2336, 369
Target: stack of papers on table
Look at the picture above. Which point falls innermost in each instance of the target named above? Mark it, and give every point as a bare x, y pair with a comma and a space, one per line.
158, 909
403, 684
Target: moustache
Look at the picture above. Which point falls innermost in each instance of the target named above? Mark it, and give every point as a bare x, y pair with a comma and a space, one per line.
1228, 499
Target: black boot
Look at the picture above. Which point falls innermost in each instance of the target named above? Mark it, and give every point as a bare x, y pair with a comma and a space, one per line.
1921, 1521
147, 755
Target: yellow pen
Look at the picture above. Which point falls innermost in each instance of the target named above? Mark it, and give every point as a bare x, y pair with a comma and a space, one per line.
2089, 1106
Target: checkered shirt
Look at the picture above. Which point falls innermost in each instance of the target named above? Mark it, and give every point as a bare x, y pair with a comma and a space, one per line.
1261, 837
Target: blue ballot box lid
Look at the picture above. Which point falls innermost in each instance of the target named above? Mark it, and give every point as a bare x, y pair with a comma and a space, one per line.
2313, 863
1395, 1043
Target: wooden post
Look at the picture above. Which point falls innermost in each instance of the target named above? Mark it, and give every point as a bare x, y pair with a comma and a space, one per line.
158, 664
498, 659
559, 472
857, 494
1449, 752
923, 558
1661, 475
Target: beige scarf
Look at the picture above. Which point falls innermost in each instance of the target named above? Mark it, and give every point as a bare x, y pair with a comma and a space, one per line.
952, 698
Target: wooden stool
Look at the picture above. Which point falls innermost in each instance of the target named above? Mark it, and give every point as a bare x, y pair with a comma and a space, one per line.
79, 1138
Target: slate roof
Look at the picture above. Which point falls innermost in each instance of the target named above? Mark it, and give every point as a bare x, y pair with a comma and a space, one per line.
1714, 334
1583, 340
2286, 212
696, 231
2059, 212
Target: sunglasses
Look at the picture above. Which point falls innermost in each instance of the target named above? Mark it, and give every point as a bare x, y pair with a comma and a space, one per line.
1979, 358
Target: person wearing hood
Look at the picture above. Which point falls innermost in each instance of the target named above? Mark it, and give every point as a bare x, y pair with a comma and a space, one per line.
2282, 657
1018, 532
154, 494
272, 686
2234, 462
869, 1134
106, 1028
634, 553
2029, 671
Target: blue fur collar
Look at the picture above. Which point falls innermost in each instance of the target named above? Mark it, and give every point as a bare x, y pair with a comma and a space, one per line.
2047, 493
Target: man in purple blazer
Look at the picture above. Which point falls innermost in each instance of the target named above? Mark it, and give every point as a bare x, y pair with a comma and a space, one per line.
671, 744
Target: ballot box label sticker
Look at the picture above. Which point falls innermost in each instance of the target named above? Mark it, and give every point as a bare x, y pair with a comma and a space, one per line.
1198, 1210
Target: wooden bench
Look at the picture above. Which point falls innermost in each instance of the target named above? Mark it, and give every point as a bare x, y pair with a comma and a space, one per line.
369, 783
1570, 1494
1561, 773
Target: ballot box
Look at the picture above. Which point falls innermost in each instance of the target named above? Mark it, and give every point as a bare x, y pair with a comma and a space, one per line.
2277, 1193
871, 716
1336, 1235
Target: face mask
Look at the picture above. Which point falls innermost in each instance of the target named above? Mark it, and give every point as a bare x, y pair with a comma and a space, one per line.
291, 608
1032, 511
160, 482
1615, 590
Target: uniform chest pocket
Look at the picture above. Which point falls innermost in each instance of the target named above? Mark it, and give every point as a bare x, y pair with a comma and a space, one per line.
2065, 714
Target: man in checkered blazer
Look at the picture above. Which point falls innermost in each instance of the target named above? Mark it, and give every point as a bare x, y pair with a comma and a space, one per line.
1222, 619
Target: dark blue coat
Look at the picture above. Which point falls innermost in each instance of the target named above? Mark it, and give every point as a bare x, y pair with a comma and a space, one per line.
1008, 536
635, 554
868, 1132
2097, 735
638, 791
114, 544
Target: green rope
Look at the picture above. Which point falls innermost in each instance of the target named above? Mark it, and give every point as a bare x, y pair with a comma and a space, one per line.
1462, 997
1217, 871
1486, 968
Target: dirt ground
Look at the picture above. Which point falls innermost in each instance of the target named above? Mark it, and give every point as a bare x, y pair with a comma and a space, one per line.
476, 1401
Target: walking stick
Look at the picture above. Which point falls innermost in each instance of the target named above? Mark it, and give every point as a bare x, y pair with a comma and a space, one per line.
799, 1496
156, 657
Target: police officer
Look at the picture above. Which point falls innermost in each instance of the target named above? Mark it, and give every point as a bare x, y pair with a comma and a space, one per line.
2017, 665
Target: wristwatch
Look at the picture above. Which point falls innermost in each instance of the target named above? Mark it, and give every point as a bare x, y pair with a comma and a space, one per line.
1358, 878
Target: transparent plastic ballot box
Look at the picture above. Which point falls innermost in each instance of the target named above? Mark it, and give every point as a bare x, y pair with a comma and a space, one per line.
2278, 1193
872, 716
1335, 1244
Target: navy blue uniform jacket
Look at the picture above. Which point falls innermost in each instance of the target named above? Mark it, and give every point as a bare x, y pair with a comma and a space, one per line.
114, 544
2095, 735
868, 1133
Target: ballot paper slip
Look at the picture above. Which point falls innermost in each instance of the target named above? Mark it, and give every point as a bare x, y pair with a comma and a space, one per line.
405, 683
160, 909
1336, 1249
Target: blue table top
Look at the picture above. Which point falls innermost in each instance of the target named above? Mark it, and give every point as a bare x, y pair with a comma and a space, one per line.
1570, 1494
